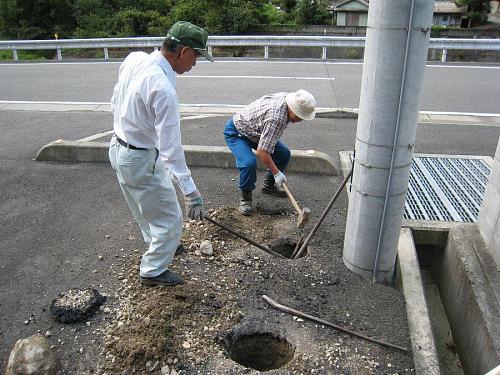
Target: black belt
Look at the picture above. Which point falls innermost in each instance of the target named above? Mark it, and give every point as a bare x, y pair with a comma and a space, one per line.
125, 144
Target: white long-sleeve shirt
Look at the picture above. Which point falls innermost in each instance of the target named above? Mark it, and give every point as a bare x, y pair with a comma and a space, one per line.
146, 112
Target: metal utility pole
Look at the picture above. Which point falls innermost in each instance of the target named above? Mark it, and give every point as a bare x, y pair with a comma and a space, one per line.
397, 40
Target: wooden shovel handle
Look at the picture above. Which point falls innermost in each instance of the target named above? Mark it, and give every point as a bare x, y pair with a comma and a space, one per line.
292, 199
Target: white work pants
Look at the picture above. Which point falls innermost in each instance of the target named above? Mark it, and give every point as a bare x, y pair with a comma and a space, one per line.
151, 197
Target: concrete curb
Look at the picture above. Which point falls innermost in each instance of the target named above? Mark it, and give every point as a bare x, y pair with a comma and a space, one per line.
424, 351
302, 161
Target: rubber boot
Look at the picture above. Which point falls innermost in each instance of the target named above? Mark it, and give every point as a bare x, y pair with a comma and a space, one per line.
268, 187
246, 203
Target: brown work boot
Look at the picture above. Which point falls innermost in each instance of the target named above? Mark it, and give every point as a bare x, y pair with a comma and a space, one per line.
268, 187
246, 203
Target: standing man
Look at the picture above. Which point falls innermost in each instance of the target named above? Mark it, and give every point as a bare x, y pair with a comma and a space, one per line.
146, 150
259, 126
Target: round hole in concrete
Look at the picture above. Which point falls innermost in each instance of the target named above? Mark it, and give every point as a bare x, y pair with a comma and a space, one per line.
285, 246
261, 351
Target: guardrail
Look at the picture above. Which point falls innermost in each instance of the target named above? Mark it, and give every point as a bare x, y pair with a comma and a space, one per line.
444, 44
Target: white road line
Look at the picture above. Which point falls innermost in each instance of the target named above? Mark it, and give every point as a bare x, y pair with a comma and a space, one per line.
261, 77
430, 65
460, 113
198, 117
95, 136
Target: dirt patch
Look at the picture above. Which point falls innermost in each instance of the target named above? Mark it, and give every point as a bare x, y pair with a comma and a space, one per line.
185, 328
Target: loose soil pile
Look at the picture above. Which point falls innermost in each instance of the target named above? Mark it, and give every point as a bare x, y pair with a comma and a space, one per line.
187, 328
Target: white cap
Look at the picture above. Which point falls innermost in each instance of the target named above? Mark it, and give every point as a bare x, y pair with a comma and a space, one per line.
302, 103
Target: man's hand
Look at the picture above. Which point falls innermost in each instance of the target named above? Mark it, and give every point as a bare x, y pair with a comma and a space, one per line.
194, 206
279, 178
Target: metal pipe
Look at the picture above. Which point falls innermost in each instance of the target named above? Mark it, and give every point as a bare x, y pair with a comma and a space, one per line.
250, 241
292, 311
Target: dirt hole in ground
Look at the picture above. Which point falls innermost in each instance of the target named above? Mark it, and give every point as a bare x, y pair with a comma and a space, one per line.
286, 246
261, 351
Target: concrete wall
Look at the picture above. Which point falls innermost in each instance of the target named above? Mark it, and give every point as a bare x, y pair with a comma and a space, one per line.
469, 291
489, 214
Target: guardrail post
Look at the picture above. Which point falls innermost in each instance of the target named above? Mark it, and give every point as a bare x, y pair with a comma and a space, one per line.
210, 50
14, 52
324, 53
266, 52
443, 55
59, 54
106, 53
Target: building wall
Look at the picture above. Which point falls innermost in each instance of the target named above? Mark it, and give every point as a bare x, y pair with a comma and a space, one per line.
446, 20
489, 214
340, 19
346, 19
363, 19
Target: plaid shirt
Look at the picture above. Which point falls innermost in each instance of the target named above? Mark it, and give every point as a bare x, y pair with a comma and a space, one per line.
264, 120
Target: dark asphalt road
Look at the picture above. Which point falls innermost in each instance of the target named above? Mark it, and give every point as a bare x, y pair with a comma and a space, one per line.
446, 87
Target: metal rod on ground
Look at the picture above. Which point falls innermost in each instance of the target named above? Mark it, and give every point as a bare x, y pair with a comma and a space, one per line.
325, 212
252, 242
297, 247
289, 310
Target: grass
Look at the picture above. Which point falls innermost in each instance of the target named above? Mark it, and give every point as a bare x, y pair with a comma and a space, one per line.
7, 55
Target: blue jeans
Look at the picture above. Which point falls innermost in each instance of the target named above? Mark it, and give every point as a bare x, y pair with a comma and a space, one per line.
246, 161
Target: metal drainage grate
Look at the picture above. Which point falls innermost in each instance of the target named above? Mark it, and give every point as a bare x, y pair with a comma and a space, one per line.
446, 189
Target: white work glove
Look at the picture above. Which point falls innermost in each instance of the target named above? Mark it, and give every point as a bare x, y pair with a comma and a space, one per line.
194, 206
279, 178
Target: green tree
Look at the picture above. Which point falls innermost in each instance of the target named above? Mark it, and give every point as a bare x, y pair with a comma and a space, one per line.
287, 5
310, 12
36, 19
477, 11
220, 17
272, 15
133, 22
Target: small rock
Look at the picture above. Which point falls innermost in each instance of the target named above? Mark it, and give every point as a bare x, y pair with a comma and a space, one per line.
31, 356
152, 365
48, 334
197, 252
107, 236
165, 370
186, 345
81, 350
206, 248
147, 320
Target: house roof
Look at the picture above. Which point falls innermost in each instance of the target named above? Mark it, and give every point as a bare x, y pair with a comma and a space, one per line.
353, 5
448, 7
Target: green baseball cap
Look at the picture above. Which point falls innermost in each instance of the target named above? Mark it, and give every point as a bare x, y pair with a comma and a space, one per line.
190, 35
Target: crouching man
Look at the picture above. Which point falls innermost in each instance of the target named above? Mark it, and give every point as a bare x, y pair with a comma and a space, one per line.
259, 127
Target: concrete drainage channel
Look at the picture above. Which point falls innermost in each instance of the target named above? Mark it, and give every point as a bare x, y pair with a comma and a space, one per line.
452, 290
